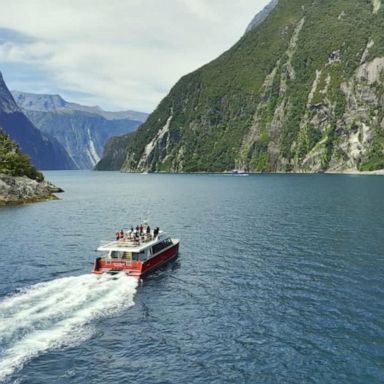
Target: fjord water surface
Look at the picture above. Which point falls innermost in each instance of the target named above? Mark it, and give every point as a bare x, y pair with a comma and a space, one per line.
279, 280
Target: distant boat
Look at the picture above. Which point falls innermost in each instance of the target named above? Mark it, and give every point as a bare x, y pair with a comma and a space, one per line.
144, 173
238, 172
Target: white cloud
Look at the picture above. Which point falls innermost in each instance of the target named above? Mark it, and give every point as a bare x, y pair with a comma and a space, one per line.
201, 9
33, 52
118, 53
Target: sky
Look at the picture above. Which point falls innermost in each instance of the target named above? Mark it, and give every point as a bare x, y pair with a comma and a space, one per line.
118, 54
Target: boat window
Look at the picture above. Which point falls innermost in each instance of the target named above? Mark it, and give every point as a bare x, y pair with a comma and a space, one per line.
161, 245
139, 256
117, 255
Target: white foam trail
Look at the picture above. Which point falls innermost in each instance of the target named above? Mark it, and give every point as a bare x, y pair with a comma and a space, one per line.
56, 314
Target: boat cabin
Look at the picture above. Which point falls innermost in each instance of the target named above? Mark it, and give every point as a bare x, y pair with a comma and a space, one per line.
129, 250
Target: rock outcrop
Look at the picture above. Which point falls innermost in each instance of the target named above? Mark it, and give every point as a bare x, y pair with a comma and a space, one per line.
20, 181
22, 189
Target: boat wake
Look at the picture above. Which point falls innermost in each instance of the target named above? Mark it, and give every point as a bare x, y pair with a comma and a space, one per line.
57, 314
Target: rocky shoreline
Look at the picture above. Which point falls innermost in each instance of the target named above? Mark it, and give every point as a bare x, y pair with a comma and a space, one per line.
21, 190
379, 172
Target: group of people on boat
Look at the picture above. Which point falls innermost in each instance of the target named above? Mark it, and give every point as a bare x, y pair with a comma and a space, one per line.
141, 232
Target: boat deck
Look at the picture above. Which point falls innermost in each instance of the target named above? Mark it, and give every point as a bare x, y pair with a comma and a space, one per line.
131, 244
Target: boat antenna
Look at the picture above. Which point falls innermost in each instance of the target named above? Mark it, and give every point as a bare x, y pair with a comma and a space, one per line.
146, 220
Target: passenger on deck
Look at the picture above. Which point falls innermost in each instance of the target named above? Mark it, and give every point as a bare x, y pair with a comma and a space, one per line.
141, 228
137, 237
117, 235
147, 233
121, 234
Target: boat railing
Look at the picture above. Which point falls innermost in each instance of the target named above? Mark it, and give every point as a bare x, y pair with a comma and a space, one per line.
131, 240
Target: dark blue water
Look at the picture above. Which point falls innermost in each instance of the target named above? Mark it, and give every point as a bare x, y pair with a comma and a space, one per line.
280, 280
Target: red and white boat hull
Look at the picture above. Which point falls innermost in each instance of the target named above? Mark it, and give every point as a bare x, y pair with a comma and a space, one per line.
136, 268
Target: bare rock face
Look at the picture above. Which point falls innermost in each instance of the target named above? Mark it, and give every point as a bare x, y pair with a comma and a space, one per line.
21, 190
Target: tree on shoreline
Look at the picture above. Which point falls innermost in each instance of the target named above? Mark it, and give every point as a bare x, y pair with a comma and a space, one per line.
15, 163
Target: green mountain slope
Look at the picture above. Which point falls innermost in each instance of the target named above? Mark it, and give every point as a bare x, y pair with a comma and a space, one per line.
303, 91
115, 151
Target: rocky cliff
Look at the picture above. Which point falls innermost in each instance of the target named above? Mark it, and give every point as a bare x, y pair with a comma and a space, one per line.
302, 91
44, 151
82, 130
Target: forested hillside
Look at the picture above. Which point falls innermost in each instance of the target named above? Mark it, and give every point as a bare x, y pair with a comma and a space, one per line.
302, 91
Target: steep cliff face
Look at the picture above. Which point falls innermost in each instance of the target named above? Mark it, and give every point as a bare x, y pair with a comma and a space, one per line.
302, 91
320, 107
83, 131
45, 152
82, 134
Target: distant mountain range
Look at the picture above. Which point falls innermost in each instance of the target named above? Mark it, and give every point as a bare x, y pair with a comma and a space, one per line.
45, 151
55, 103
301, 91
82, 130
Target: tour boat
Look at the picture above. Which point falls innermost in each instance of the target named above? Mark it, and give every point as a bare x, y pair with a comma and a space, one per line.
136, 254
